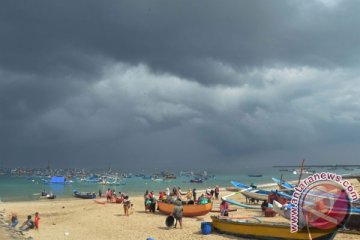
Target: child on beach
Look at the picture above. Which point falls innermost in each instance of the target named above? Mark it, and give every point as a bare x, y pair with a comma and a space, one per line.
37, 221
13, 220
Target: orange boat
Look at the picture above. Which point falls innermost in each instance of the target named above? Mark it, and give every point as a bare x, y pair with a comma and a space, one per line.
189, 210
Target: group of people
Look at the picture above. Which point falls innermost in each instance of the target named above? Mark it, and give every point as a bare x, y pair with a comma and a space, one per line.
28, 224
150, 201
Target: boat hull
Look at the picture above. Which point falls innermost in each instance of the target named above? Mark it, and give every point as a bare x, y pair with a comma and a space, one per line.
84, 195
267, 230
255, 194
189, 210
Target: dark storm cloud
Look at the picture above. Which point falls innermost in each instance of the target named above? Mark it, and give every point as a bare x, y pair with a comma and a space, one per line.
156, 81
178, 37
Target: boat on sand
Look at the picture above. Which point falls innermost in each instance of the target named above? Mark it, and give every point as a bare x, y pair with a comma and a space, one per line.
256, 194
265, 230
189, 210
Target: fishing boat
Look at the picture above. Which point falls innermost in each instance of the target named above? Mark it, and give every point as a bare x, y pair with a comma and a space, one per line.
282, 184
255, 175
266, 230
86, 195
256, 194
45, 195
282, 210
189, 210
196, 180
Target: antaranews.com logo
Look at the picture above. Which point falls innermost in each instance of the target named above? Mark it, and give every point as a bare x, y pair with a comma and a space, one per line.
323, 201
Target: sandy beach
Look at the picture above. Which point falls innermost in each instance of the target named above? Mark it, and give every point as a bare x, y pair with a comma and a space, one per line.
73, 218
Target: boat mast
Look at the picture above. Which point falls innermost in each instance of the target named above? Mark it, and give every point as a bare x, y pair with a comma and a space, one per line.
301, 170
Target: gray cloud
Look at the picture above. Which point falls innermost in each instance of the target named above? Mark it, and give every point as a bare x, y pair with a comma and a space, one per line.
159, 82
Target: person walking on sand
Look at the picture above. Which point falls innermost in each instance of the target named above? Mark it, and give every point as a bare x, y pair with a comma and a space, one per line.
37, 221
217, 191
177, 213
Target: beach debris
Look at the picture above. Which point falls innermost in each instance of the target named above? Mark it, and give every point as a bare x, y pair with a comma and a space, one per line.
66, 233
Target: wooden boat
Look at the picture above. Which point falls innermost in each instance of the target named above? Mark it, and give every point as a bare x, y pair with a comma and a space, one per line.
262, 230
86, 195
189, 210
256, 194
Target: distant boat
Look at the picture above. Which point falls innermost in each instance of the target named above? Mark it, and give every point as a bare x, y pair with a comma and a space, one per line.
86, 195
169, 176
189, 210
255, 175
157, 179
246, 228
46, 195
196, 181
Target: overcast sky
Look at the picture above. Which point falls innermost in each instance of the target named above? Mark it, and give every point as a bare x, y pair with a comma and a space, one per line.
179, 84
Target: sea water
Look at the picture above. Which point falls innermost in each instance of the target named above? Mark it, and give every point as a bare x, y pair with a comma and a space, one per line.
21, 188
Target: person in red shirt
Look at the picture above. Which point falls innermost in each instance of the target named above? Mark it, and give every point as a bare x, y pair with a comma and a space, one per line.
37, 220
224, 208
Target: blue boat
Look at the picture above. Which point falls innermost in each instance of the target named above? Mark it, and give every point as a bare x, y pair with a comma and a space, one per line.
86, 195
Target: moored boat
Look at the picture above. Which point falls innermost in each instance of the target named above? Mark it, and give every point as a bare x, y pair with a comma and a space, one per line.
262, 230
86, 195
196, 180
255, 175
189, 210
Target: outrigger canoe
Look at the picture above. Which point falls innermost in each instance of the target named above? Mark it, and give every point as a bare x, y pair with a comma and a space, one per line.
262, 230
189, 210
256, 194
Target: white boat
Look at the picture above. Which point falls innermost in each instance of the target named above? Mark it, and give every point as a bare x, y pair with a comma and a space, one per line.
157, 179
281, 210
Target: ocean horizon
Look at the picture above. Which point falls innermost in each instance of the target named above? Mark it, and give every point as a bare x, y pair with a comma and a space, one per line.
28, 188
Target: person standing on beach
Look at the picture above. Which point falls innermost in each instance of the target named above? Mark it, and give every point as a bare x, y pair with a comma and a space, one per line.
108, 195
167, 192
177, 213
217, 191
146, 200
37, 221
194, 194
126, 204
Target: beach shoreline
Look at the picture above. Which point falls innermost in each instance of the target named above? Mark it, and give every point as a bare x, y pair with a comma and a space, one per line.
73, 218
